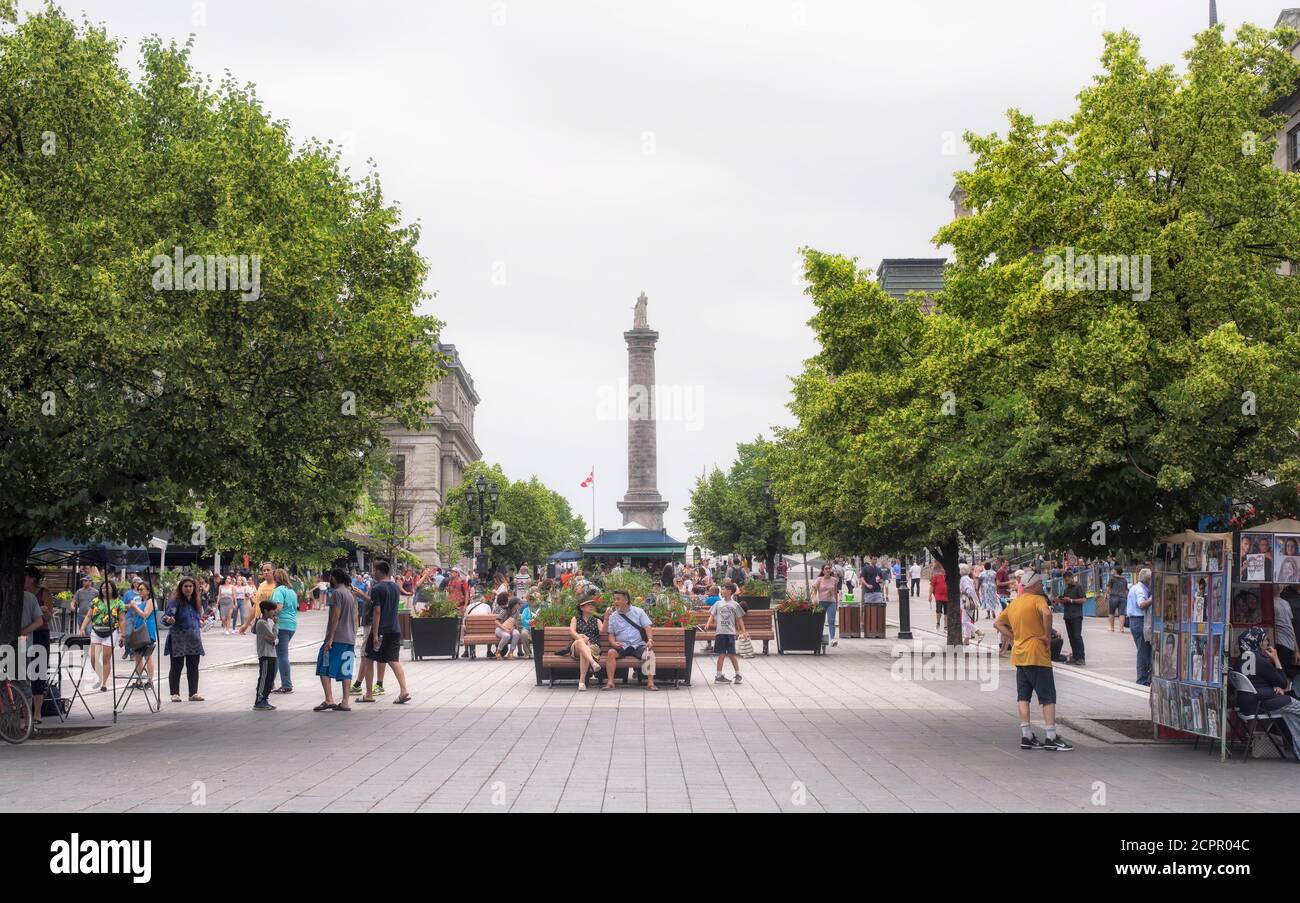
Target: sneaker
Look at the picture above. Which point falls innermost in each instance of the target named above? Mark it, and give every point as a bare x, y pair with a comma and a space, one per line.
263, 707
1057, 743
1030, 743
356, 690
283, 690
721, 679
738, 679
379, 689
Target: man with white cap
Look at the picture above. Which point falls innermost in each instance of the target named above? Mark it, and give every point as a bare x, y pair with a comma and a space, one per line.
1027, 625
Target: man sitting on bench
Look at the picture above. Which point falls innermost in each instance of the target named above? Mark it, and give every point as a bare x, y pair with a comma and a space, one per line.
630, 636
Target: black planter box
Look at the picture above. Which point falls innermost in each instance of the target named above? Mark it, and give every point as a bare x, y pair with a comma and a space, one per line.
434, 638
800, 631
755, 603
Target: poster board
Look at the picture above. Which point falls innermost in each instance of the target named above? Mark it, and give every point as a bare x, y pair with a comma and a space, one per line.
1192, 588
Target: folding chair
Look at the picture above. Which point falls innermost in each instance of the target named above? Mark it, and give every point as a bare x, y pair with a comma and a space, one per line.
1244, 688
66, 643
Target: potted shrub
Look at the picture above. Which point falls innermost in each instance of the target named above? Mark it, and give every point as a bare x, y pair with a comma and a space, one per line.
755, 595
799, 624
435, 629
637, 584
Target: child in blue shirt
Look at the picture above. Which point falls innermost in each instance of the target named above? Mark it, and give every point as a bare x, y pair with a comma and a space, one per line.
531, 604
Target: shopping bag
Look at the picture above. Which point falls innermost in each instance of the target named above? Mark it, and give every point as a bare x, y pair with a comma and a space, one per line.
744, 647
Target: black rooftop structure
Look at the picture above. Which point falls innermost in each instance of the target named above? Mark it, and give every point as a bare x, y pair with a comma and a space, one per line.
900, 275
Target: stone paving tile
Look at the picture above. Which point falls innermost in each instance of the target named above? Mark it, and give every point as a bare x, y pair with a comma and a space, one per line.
802, 734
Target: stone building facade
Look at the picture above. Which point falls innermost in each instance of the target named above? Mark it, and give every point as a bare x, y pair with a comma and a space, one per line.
430, 462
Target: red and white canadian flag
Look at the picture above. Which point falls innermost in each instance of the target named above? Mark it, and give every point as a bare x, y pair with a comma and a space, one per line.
591, 478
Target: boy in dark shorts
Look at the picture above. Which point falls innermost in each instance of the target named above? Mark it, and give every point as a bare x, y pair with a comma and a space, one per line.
729, 616
384, 638
1026, 624
366, 665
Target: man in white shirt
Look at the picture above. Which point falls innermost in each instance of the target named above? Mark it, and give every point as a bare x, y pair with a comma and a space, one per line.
631, 633
914, 574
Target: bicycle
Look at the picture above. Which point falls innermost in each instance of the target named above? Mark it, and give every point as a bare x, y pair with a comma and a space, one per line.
15, 712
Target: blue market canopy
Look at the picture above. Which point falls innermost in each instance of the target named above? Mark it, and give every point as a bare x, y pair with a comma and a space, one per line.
633, 540
565, 556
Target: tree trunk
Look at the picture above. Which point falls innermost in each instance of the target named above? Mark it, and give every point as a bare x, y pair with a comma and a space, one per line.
948, 554
13, 559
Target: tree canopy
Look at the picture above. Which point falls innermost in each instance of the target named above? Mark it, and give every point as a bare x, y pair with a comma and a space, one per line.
734, 510
140, 395
530, 522
1147, 406
1140, 404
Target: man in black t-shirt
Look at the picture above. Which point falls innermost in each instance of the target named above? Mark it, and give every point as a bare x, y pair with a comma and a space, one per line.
383, 644
1071, 602
872, 576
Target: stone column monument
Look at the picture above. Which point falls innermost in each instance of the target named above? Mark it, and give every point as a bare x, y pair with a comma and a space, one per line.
642, 504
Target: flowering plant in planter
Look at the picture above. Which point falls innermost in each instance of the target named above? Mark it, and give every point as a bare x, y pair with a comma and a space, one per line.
637, 584
754, 587
669, 611
435, 604
797, 600
554, 614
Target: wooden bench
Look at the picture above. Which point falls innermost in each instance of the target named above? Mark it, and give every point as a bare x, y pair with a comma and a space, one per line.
761, 625
699, 617
673, 657
478, 630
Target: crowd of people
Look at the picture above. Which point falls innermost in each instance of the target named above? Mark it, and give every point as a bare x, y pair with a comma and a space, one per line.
362, 639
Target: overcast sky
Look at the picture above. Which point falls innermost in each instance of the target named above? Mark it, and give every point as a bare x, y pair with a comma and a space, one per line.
565, 155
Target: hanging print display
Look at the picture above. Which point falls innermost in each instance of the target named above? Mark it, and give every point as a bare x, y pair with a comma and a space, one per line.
1191, 622
1286, 555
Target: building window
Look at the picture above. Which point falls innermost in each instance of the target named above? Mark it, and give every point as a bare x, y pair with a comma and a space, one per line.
1293, 150
399, 470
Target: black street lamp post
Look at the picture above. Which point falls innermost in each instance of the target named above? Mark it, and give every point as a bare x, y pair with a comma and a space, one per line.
481, 498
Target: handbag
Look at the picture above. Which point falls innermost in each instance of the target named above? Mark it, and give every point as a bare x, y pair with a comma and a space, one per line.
744, 647
139, 637
104, 631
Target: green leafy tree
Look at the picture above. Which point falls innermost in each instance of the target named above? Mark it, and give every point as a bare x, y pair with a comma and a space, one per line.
901, 424
383, 512
1149, 403
529, 524
248, 404
1138, 405
735, 511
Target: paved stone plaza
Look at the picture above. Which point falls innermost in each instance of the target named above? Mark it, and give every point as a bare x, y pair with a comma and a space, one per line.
802, 734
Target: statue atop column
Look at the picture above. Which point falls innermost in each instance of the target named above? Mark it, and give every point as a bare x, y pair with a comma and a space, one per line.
639, 319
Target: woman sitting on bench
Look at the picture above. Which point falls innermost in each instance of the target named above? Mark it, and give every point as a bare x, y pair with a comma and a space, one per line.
1259, 662
585, 628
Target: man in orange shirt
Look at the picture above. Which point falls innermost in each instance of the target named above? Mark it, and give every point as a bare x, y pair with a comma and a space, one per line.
1026, 624
265, 590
